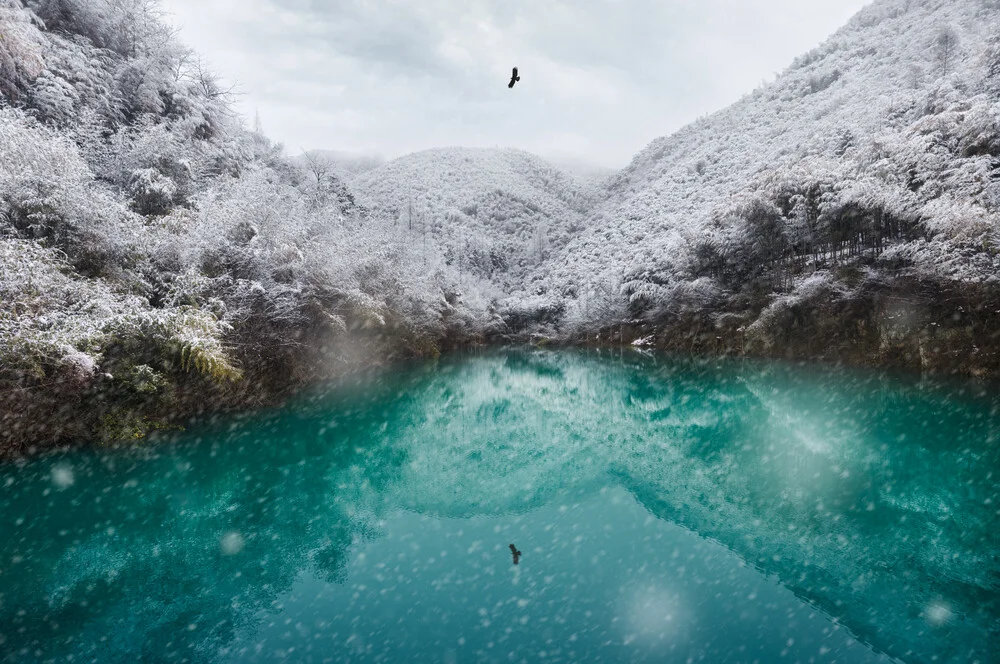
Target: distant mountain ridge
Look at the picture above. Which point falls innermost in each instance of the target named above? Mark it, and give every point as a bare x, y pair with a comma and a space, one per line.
495, 212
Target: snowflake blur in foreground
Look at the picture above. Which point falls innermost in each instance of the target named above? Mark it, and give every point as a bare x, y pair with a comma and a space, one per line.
937, 613
654, 616
62, 476
231, 543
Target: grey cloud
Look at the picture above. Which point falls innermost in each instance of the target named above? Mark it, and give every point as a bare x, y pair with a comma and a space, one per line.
600, 78
395, 37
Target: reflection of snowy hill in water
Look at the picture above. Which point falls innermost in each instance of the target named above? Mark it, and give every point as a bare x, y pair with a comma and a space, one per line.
859, 515
874, 501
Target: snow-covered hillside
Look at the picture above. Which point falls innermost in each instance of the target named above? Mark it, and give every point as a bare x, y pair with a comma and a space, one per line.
157, 257
496, 213
879, 147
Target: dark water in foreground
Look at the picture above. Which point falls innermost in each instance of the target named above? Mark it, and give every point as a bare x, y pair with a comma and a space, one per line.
666, 511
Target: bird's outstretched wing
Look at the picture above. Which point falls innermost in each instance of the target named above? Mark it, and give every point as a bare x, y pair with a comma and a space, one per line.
514, 78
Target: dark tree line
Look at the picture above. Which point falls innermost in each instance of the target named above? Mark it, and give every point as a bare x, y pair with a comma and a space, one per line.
777, 239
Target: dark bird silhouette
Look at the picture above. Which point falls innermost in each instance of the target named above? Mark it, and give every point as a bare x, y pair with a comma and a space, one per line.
514, 78
513, 549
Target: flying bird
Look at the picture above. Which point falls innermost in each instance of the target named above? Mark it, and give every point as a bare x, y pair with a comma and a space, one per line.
514, 78
513, 549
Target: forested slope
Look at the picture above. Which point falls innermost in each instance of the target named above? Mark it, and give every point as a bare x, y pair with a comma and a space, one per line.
851, 203
496, 213
158, 257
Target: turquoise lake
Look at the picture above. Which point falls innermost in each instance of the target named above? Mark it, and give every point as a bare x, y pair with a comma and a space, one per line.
666, 510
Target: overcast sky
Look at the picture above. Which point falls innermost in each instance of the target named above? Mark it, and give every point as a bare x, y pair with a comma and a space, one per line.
599, 78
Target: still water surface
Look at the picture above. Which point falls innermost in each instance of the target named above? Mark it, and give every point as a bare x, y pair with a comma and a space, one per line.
666, 511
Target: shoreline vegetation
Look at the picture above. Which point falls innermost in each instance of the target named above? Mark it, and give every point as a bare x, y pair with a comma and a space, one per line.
160, 260
914, 335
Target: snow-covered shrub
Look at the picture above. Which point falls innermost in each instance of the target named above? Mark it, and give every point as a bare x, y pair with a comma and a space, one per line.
20, 49
820, 287
47, 193
127, 27
53, 318
55, 98
48, 315
77, 77
152, 193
